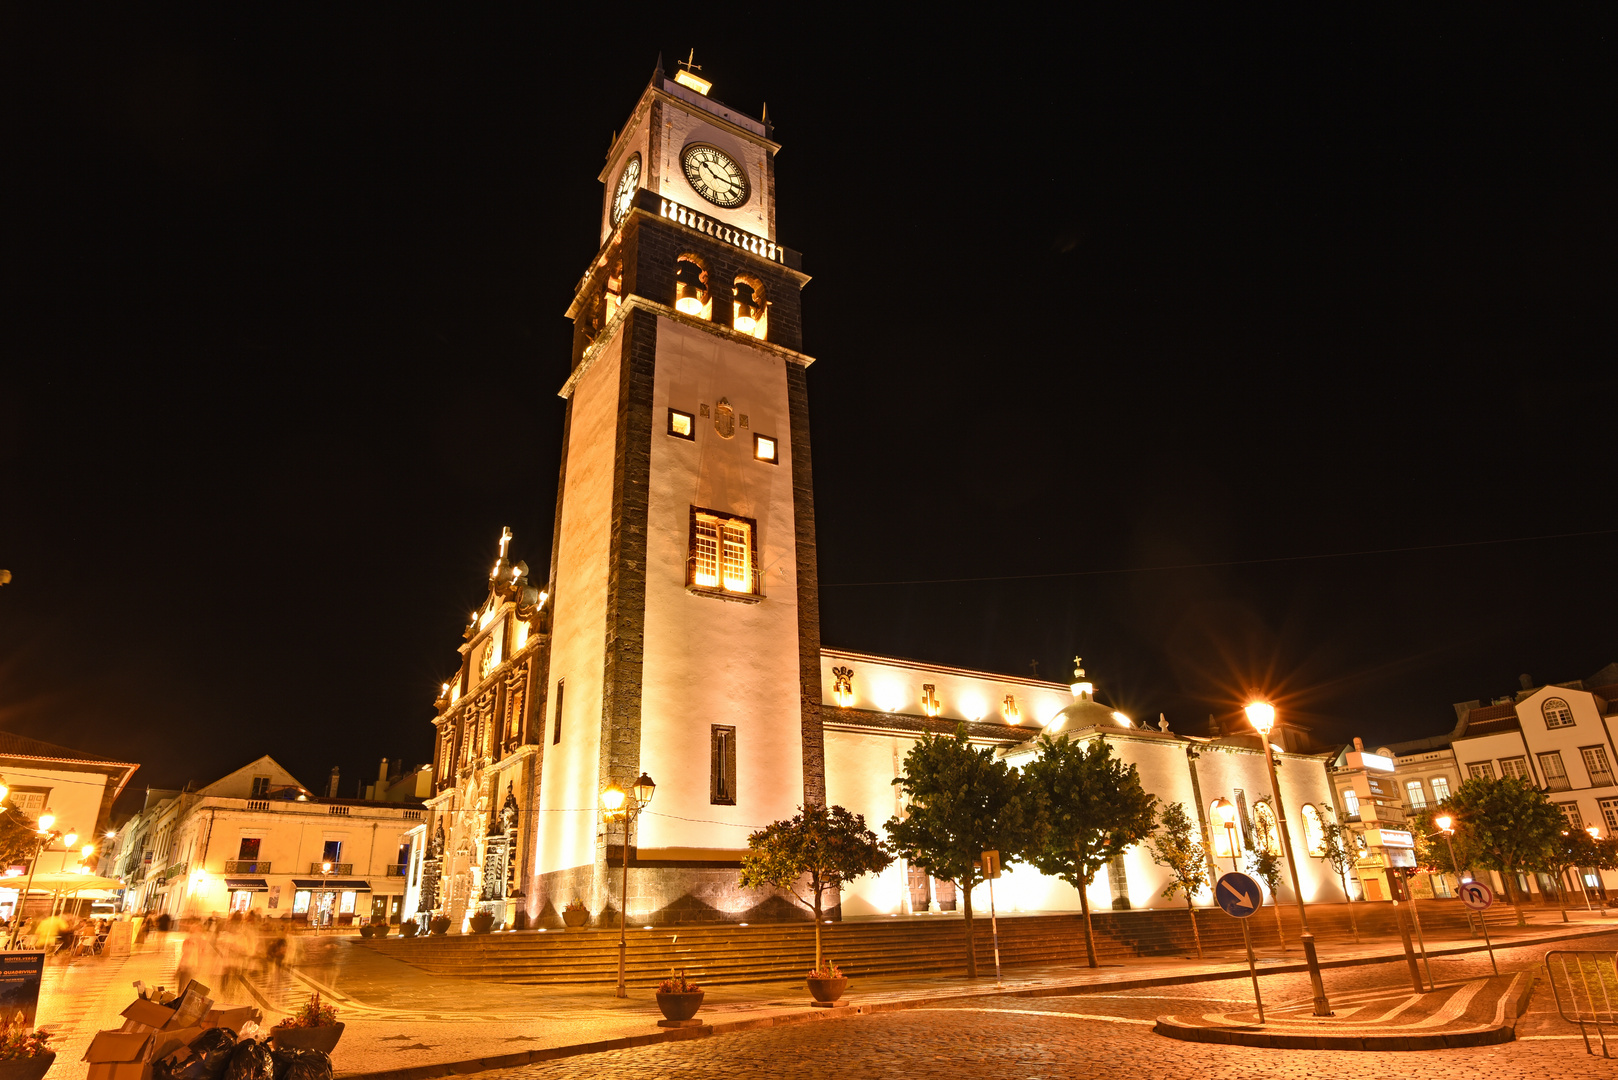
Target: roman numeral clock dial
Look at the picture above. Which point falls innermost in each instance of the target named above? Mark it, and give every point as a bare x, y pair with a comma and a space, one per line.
624, 195
714, 175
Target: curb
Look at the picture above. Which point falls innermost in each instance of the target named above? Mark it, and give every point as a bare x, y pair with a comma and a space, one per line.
626, 1042
1171, 1028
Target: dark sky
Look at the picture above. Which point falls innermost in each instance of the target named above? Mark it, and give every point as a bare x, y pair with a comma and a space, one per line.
283, 333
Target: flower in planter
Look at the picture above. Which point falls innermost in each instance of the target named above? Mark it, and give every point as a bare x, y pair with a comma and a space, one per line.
678, 984
314, 1014
574, 905
828, 970
16, 1043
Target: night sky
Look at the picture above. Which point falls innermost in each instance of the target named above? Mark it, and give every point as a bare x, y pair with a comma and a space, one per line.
1231, 355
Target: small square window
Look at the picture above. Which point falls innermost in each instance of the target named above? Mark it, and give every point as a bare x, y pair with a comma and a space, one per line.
764, 449
682, 425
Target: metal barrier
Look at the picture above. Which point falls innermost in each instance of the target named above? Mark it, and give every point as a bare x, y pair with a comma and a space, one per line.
1586, 987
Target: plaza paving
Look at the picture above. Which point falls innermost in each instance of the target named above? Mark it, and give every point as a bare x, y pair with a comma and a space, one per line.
1050, 1021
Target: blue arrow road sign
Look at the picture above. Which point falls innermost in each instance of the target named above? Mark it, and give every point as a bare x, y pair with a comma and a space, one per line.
1238, 894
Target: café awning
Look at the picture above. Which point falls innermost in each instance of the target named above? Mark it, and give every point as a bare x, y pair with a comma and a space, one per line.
249, 884
334, 885
59, 883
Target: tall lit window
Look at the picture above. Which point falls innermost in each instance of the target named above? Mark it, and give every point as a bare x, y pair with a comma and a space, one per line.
1479, 770
1597, 765
1514, 767
1609, 813
1221, 835
1557, 713
1266, 834
1417, 797
721, 552
1351, 802
1440, 788
1555, 772
1570, 811
1314, 833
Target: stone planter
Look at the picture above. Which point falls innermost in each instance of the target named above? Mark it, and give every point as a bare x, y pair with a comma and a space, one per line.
439, 926
317, 1038
575, 918
827, 991
482, 922
380, 929
29, 1068
679, 1007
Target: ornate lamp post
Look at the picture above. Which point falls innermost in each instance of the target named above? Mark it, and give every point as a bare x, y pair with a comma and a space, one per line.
1262, 716
614, 802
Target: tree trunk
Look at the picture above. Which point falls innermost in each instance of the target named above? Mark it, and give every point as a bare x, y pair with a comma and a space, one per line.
1561, 892
1517, 902
1342, 876
1089, 937
817, 926
971, 943
1195, 933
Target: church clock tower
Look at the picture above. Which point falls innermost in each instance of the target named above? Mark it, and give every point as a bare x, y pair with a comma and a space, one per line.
686, 632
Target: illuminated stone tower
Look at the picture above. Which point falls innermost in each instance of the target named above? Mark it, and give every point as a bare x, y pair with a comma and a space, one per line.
686, 625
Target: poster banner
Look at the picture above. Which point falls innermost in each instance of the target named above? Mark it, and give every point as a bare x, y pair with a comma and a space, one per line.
20, 975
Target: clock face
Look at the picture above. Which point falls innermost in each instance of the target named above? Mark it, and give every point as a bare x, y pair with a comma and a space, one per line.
624, 194
714, 175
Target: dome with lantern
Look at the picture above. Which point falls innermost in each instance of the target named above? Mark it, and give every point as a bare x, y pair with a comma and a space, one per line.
1086, 711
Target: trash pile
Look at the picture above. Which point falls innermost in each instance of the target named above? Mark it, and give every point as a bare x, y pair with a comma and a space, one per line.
183, 1037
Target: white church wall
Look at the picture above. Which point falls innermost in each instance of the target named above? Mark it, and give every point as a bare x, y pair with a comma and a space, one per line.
883, 684
860, 767
569, 783
710, 660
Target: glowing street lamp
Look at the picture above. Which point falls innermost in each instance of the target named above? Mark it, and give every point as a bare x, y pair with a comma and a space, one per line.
615, 802
1262, 716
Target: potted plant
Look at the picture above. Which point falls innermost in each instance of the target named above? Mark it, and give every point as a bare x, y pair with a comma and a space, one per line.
678, 998
409, 928
366, 931
575, 914
827, 983
24, 1055
438, 925
380, 929
482, 922
313, 1027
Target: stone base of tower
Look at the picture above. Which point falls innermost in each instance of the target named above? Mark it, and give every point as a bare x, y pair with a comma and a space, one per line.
661, 895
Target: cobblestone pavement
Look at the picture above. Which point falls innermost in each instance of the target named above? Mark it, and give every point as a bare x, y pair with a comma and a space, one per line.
1095, 1035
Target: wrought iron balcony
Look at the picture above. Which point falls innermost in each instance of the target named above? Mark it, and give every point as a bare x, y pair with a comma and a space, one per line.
343, 868
237, 866
396, 869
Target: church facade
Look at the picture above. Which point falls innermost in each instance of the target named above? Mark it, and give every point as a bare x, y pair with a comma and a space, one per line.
675, 632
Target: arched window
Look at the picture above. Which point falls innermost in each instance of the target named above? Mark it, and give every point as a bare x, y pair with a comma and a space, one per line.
1314, 833
691, 296
750, 312
1265, 832
1221, 835
1557, 713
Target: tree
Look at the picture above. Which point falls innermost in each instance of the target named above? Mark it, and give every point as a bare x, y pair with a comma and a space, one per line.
1175, 846
1507, 825
1340, 849
1093, 810
19, 838
1572, 849
1264, 863
963, 801
828, 846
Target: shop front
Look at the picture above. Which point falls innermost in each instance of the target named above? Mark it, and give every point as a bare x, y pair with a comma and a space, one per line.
320, 902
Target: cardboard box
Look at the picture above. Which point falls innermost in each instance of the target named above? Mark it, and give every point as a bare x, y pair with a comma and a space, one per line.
118, 1055
234, 1019
191, 1007
147, 1016
174, 1044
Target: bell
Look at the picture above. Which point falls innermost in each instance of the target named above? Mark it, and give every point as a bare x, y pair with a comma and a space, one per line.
748, 311
690, 298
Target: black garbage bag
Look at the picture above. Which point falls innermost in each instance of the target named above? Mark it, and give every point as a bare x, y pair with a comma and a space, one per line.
250, 1060
296, 1063
207, 1057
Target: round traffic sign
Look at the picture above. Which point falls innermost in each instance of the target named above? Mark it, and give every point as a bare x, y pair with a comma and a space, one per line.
1475, 895
1238, 894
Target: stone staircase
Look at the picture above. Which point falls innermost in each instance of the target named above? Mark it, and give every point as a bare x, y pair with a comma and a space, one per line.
914, 944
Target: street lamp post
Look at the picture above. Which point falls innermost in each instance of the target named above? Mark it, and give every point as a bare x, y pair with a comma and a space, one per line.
1225, 811
46, 835
1446, 825
1262, 716
615, 801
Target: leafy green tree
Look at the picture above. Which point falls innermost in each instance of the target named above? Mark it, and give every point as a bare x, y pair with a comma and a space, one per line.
1340, 849
1572, 849
963, 801
1174, 844
1507, 825
1093, 808
825, 846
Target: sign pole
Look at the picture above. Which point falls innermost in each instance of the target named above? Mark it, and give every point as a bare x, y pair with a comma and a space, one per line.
991, 870
1478, 897
1247, 937
1487, 943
